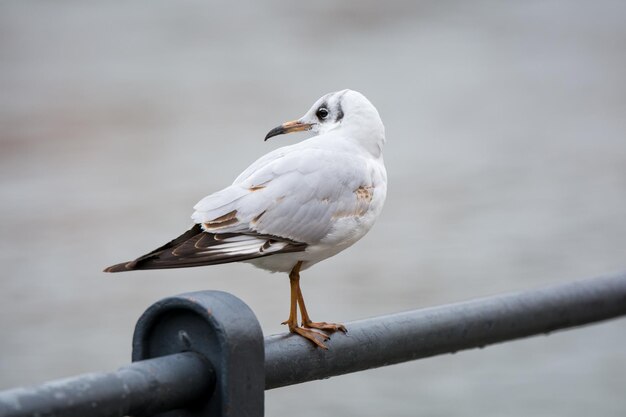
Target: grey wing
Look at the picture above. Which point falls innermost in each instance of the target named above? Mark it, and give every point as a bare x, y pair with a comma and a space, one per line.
287, 200
297, 196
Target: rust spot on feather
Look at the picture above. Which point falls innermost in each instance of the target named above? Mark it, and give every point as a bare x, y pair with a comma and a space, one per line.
364, 195
257, 218
258, 187
227, 219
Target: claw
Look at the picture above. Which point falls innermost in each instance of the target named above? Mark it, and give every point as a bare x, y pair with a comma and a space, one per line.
322, 325
313, 336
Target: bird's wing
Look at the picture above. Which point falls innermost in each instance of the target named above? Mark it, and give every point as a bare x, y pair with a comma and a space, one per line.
297, 194
287, 200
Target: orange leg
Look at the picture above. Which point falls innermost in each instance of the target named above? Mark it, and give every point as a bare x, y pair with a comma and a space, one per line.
292, 322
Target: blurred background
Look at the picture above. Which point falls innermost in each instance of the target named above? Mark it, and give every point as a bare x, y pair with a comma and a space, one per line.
506, 156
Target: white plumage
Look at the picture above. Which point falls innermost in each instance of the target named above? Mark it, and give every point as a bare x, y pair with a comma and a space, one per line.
293, 207
313, 192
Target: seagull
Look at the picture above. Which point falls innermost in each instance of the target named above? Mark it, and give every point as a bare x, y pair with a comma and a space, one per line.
293, 207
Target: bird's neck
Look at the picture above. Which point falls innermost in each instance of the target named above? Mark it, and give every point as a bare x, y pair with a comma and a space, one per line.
368, 134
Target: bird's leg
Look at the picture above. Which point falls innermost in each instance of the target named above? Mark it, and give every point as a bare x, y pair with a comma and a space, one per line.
322, 325
314, 336
292, 321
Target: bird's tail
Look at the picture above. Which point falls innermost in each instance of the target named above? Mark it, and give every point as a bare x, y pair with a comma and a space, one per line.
143, 261
197, 247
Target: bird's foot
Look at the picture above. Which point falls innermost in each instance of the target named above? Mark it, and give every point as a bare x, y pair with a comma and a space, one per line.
322, 325
313, 335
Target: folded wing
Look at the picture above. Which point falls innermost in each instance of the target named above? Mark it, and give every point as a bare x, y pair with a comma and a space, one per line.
283, 203
298, 196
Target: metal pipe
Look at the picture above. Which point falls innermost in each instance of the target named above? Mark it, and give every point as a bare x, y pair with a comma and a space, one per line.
183, 379
402, 337
139, 389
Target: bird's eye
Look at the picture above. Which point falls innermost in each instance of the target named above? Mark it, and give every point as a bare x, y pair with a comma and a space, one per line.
322, 113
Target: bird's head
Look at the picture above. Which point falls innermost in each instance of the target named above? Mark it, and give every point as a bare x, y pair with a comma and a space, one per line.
345, 109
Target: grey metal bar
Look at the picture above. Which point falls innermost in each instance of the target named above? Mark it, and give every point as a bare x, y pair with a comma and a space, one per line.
402, 337
140, 389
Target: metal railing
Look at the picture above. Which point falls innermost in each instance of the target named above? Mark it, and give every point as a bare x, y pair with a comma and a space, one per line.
203, 353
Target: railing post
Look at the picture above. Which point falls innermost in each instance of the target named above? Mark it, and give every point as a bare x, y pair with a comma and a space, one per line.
225, 331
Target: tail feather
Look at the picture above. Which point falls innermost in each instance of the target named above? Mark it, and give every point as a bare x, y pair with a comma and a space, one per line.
197, 247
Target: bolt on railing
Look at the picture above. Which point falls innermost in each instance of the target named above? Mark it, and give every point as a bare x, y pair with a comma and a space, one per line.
203, 353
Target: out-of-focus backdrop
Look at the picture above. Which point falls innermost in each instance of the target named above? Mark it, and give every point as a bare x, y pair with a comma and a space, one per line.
506, 153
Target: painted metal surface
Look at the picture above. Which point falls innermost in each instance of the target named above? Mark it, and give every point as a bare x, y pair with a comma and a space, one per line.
225, 331
416, 334
142, 389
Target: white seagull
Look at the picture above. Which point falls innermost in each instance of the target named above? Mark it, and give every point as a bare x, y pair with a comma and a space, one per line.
293, 207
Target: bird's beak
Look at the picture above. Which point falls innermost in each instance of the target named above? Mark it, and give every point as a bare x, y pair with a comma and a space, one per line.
293, 126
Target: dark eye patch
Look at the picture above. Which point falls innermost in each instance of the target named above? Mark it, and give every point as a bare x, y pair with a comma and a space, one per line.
339, 112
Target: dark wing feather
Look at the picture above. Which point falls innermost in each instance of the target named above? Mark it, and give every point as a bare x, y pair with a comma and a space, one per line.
197, 247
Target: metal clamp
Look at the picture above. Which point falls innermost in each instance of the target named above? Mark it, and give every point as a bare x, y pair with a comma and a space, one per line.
225, 331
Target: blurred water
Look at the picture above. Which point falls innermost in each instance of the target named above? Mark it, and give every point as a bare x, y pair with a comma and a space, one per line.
506, 156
